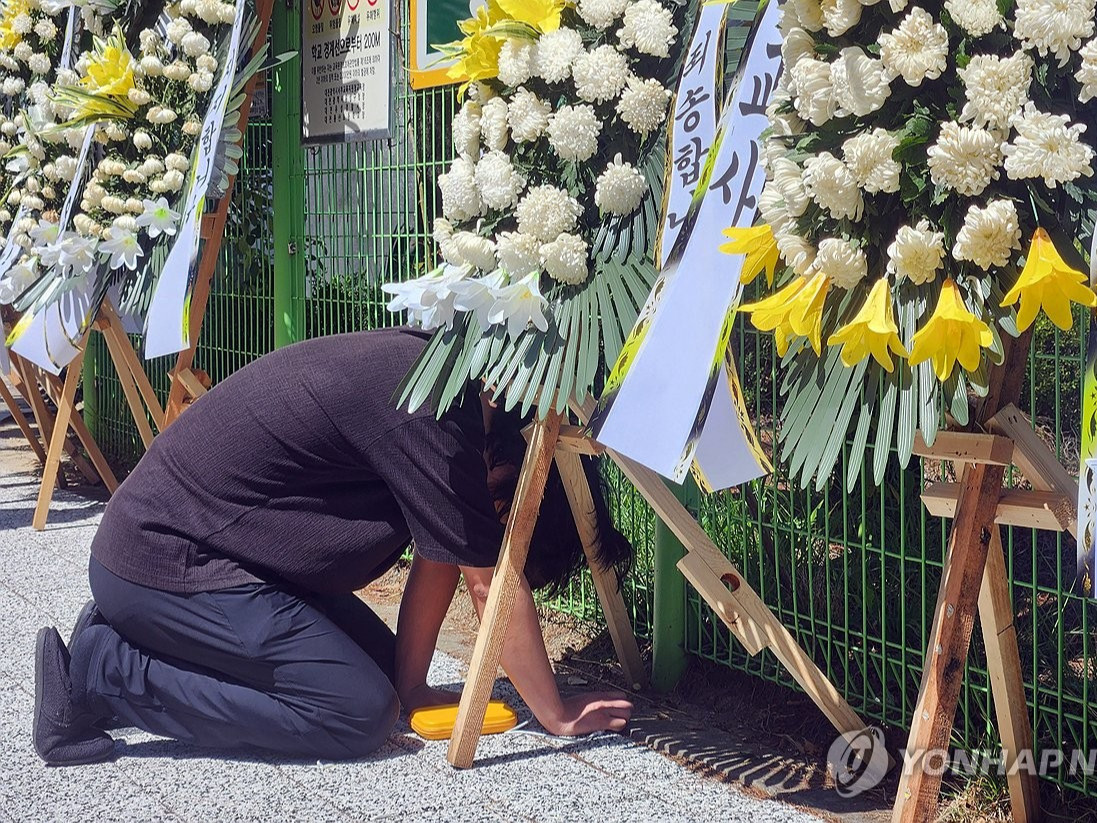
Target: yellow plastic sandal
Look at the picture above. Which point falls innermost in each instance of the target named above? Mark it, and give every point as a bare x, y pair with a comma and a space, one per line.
437, 722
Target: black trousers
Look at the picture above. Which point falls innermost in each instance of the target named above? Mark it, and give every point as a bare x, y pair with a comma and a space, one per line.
253, 665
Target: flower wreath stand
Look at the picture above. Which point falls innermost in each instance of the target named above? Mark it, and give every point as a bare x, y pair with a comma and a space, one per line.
713, 575
974, 583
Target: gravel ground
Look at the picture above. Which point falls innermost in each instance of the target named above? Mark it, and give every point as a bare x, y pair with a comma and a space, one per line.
521, 775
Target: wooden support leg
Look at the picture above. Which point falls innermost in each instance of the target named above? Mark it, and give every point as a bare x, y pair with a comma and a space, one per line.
504, 587
996, 617
129, 388
605, 582
949, 638
125, 357
57, 440
76, 423
28, 386
22, 422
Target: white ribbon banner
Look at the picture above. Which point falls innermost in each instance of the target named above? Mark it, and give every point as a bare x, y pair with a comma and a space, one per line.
167, 325
678, 399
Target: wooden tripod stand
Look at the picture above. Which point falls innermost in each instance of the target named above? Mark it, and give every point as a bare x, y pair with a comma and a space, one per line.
974, 582
705, 566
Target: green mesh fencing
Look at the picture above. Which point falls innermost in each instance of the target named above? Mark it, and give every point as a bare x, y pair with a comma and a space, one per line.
854, 576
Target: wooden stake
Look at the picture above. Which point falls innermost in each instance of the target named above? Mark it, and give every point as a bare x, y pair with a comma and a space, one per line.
126, 358
504, 587
605, 581
57, 440
996, 618
76, 423
129, 388
21, 421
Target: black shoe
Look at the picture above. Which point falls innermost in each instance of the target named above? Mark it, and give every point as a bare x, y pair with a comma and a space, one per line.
63, 735
89, 616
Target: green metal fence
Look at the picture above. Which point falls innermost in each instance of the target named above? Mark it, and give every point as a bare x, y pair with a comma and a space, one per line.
854, 576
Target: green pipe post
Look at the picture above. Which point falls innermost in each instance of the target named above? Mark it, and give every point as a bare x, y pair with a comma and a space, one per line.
668, 631
288, 165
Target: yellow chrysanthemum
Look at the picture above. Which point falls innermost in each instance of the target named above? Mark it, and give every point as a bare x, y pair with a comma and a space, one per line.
760, 247
543, 15
110, 69
795, 310
952, 334
1047, 282
871, 331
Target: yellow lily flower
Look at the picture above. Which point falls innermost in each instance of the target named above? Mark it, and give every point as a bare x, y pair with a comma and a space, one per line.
543, 15
479, 51
795, 310
1047, 282
110, 68
871, 331
760, 247
952, 334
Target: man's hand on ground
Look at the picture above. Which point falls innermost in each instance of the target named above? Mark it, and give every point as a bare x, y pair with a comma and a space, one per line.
424, 696
591, 712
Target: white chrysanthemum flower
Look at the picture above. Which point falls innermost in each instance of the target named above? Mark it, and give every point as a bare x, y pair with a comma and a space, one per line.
442, 234
200, 81
1054, 26
788, 182
22, 23
466, 130
832, 185
493, 124
861, 85
142, 140
460, 196
516, 61
917, 49
546, 212
797, 252
643, 105
518, 254
813, 90
796, 45
22, 52
964, 159
839, 16
39, 63
843, 264
996, 89
772, 208
178, 29
151, 65
648, 28
565, 259
916, 253
602, 13
620, 188
499, 182
555, 53
807, 13
1087, 72
45, 28
528, 116
1046, 146
988, 235
474, 250
573, 132
13, 86
195, 44
976, 17
140, 97
869, 157
600, 74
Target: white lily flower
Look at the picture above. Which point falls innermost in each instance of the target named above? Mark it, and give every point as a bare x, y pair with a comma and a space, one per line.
123, 248
428, 300
44, 233
77, 254
477, 295
158, 217
18, 279
520, 304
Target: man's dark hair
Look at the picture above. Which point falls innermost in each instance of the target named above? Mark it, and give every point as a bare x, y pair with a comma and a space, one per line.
556, 550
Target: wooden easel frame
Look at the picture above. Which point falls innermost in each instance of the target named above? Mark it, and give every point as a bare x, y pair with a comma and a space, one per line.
974, 582
136, 387
713, 575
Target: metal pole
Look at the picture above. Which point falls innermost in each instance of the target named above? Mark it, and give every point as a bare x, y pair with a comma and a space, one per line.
668, 630
288, 165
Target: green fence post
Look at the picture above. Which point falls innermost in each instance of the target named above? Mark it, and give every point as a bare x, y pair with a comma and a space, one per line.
288, 164
90, 389
668, 629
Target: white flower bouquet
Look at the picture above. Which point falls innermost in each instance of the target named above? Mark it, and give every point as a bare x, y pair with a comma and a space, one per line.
550, 207
929, 168
104, 140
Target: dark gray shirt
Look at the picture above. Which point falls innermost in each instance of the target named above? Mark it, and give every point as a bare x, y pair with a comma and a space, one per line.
300, 468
